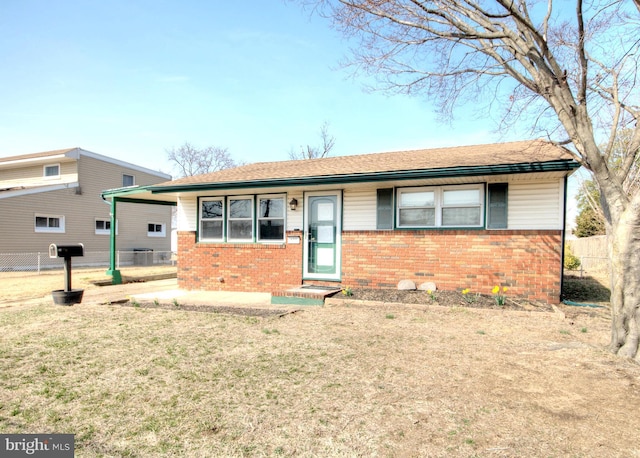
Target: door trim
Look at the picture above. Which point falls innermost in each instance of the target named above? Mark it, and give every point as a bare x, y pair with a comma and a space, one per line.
306, 275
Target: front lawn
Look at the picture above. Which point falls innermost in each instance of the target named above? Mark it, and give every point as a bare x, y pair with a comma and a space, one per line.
324, 381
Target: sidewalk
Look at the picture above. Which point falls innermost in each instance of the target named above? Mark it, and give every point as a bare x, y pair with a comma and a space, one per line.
167, 291
160, 291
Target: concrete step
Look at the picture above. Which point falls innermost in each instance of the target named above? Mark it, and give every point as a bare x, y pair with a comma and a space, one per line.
304, 295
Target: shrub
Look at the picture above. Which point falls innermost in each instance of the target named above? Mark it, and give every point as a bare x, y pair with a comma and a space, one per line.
571, 261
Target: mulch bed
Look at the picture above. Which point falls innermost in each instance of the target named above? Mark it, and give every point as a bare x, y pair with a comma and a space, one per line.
442, 298
445, 298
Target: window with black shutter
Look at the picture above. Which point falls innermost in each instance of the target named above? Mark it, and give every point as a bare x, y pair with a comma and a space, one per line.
384, 214
497, 206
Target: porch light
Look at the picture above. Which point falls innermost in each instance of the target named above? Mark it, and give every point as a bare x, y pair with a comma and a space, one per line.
293, 203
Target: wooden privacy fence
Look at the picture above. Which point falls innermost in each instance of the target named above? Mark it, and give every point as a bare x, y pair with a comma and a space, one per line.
592, 252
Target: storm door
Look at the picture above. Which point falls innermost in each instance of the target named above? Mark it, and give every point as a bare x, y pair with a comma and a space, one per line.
322, 236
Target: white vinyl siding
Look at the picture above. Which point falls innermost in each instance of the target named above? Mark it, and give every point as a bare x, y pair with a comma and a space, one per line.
359, 210
187, 214
294, 217
34, 175
536, 205
81, 206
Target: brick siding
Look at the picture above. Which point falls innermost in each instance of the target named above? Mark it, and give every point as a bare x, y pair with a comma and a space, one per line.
528, 262
253, 267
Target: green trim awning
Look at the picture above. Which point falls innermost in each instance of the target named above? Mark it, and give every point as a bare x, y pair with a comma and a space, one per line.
567, 165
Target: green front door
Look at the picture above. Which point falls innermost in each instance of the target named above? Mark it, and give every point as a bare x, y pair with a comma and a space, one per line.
322, 237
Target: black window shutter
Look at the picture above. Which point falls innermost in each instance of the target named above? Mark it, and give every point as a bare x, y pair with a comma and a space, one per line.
497, 212
384, 218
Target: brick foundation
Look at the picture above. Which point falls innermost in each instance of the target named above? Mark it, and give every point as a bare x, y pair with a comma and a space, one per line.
528, 262
253, 267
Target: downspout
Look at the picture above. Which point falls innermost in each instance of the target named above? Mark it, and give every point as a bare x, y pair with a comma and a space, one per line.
564, 233
116, 278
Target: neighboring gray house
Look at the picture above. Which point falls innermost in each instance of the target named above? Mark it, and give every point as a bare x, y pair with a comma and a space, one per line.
55, 197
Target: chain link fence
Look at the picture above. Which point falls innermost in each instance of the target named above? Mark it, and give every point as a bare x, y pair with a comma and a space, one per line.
39, 261
592, 253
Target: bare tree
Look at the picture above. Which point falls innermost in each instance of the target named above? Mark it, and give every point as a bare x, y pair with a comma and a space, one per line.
571, 73
190, 161
315, 152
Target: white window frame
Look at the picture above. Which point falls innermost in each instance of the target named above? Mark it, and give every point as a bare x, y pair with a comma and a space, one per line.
133, 179
154, 233
229, 219
201, 237
261, 197
104, 231
50, 177
399, 207
439, 205
60, 229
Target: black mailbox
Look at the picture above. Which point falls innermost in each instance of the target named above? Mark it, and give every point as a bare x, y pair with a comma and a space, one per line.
66, 296
66, 251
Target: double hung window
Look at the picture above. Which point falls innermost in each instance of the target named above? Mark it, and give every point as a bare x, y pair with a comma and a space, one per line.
243, 219
443, 206
212, 219
271, 211
240, 220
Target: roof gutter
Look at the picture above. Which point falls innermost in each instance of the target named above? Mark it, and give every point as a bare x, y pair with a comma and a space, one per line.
124, 195
530, 167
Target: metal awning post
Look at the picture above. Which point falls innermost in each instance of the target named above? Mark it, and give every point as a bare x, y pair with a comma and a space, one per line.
116, 277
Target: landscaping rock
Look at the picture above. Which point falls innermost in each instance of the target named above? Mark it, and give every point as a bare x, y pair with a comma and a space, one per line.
427, 286
406, 285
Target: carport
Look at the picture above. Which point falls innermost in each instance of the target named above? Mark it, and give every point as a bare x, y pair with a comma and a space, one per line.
130, 194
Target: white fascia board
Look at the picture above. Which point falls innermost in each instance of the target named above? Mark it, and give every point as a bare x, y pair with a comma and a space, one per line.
37, 190
65, 156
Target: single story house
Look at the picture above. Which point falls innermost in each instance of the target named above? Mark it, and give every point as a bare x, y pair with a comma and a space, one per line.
462, 217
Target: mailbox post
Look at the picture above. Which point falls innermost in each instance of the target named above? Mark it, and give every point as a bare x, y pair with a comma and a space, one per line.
66, 296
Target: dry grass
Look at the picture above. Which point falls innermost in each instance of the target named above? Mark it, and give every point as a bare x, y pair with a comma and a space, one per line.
16, 286
326, 381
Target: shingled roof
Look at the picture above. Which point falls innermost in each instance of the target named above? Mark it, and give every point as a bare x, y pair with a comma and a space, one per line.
514, 153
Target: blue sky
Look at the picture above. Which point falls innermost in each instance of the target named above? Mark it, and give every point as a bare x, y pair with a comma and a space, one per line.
132, 78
